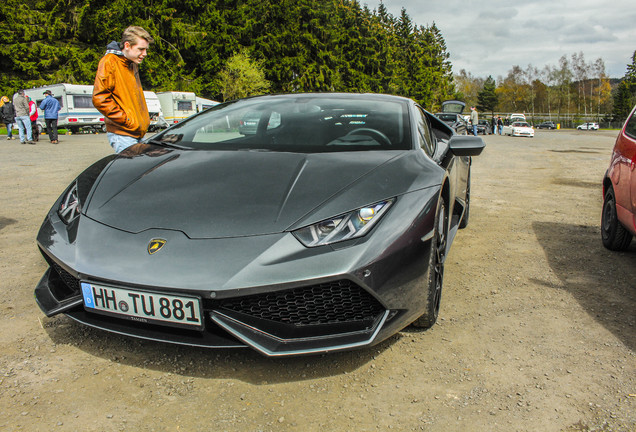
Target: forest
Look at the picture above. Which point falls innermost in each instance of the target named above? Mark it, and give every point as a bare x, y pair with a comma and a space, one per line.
297, 45
224, 49
573, 90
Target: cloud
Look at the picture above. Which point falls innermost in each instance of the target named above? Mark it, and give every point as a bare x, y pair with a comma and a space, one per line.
488, 38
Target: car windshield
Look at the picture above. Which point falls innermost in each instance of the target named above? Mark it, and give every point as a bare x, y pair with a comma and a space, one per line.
520, 124
296, 123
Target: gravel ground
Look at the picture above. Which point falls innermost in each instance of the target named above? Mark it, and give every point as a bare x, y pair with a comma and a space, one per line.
536, 330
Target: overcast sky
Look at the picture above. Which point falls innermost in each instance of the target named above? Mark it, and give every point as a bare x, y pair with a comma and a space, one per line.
489, 37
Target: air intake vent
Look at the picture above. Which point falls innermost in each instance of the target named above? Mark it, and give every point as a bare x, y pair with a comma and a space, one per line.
327, 303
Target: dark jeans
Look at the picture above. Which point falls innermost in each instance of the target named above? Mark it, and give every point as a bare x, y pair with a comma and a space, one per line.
51, 128
34, 129
9, 129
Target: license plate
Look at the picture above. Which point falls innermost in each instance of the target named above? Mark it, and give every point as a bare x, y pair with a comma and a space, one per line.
143, 306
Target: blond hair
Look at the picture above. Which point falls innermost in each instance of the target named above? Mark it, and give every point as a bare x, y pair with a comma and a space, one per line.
132, 33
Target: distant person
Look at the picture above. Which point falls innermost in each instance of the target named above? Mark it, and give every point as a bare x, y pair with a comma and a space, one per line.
500, 125
7, 115
33, 116
21, 105
474, 119
118, 94
51, 107
493, 128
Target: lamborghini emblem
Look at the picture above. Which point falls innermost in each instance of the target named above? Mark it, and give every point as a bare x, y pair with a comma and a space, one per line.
155, 245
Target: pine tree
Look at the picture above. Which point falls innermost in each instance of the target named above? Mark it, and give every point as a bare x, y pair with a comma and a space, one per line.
487, 98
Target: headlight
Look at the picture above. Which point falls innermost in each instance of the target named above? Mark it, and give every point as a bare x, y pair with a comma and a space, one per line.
69, 206
344, 227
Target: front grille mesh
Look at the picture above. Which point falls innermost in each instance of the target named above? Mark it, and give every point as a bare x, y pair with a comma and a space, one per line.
71, 282
69, 285
327, 303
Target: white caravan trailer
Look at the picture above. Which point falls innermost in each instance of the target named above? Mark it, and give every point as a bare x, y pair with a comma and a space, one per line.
76, 102
157, 121
177, 106
203, 104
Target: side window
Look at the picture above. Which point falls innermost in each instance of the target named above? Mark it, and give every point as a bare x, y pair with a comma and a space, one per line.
185, 106
630, 127
83, 101
424, 136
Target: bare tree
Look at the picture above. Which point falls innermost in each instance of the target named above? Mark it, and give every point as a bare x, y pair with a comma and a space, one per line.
581, 73
599, 73
531, 74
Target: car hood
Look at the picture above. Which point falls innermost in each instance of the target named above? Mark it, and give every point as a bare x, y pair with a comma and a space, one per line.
219, 194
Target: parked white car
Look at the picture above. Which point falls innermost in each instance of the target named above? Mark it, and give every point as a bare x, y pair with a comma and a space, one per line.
588, 126
517, 117
518, 128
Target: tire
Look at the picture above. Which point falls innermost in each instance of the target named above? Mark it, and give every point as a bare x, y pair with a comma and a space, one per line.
464, 222
615, 236
435, 271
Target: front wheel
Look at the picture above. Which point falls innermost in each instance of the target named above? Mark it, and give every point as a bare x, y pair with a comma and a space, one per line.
464, 222
615, 236
435, 269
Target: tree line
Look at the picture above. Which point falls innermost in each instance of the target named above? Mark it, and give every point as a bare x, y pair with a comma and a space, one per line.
210, 47
574, 87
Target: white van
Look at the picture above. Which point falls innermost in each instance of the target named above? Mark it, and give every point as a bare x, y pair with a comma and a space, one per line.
157, 121
77, 110
203, 104
177, 106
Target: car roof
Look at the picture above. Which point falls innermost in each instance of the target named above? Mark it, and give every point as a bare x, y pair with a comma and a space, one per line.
335, 95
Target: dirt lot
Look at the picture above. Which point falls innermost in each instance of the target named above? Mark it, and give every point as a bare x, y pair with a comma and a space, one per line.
537, 330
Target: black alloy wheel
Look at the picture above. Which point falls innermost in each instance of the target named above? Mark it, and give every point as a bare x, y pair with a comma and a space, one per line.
435, 269
464, 222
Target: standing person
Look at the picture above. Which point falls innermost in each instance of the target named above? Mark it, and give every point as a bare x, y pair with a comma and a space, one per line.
474, 119
494, 125
7, 116
21, 105
500, 124
117, 92
51, 107
33, 116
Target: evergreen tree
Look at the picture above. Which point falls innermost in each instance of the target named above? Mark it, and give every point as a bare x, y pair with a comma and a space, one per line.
625, 93
487, 98
622, 102
299, 45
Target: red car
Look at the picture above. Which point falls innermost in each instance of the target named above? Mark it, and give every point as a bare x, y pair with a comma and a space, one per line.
618, 221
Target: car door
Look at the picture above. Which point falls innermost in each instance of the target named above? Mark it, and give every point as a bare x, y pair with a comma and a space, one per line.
622, 172
628, 150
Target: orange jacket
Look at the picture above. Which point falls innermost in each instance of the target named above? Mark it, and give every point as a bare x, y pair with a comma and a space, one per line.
118, 95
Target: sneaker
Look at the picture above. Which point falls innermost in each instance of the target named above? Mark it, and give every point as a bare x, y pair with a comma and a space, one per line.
22, 142
54, 142
8, 138
31, 142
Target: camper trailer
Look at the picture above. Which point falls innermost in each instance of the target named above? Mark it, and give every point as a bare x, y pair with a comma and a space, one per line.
203, 104
77, 110
157, 121
177, 106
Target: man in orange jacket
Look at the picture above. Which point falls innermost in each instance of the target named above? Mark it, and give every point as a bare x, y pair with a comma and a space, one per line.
117, 92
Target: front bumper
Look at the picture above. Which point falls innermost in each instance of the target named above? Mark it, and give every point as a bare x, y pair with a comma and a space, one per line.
354, 318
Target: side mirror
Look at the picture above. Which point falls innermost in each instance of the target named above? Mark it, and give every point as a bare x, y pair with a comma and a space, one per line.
466, 145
